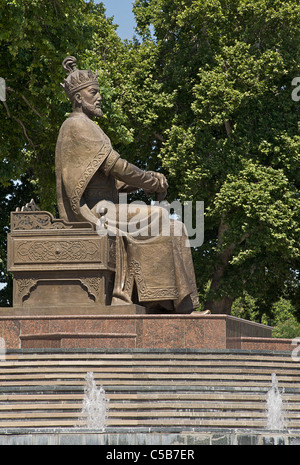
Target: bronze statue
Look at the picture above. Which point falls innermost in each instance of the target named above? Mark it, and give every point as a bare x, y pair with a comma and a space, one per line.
155, 271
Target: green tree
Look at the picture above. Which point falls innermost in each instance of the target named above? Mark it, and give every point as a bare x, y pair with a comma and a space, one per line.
204, 95
282, 315
35, 37
284, 320
246, 307
230, 136
13, 195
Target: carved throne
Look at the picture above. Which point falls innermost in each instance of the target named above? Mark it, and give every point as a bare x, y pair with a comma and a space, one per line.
57, 264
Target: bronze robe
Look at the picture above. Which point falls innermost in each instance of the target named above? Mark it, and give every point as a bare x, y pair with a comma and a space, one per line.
158, 269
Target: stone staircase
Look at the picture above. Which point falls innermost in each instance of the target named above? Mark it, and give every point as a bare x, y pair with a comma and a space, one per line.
147, 388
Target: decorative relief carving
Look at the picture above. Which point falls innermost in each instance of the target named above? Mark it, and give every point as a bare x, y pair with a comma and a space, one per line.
28, 207
25, 284
153, 294
112, 252
135, 273
93, 285
30, 220
23, 221
58, 251
99, 158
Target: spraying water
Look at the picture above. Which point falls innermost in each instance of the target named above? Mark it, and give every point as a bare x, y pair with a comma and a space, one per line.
276, 420
95, 405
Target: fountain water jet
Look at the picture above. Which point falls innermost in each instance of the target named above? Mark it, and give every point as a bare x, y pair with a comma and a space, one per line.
275, 414
95, 405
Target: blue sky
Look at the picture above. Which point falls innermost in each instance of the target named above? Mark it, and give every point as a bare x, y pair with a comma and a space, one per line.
123, 16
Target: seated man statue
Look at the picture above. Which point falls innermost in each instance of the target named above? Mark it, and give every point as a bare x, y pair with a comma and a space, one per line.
155, 271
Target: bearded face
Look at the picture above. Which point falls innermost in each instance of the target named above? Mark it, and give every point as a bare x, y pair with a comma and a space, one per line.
90, 99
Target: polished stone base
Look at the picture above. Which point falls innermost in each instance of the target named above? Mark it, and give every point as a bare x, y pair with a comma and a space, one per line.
130, 328
74, 310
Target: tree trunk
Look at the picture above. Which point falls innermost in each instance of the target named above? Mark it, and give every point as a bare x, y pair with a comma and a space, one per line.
223, 305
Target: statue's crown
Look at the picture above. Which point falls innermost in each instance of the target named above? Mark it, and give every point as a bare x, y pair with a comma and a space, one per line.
76, 79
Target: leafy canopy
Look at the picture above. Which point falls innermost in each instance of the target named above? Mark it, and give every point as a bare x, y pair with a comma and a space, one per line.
203, 94
231, 137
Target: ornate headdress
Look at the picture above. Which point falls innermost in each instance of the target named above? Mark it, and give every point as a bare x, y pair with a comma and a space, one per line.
77, 79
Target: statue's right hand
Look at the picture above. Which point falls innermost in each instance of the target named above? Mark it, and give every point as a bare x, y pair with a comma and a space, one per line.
163, 183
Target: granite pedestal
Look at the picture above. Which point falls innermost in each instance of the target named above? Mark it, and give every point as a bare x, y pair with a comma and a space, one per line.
82, 329
63, 281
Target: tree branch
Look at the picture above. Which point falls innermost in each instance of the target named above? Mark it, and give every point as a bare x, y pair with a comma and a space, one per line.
26, 101
158, 136
228, 128
22, 125
25, 133
6, 108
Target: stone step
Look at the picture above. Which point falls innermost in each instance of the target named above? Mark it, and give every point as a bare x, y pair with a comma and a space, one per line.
134, 355
292, 376
132, 401
109, 379
225, 397
243, 423
234, 400
132, 406
147, 389
155, 391
119, 423
114, 407
138, 384
143, 415
159, 367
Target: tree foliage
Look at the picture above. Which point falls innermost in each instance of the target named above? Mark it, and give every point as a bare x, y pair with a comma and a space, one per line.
282, 315
35, 37
203, 94
231, 137
12, 196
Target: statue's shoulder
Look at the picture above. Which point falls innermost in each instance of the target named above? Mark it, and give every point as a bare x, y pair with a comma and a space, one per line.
80, 129
78, 119
80, 124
